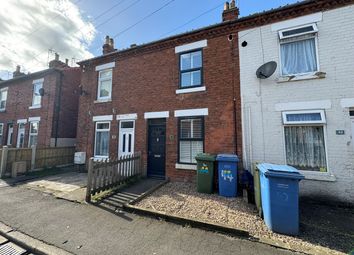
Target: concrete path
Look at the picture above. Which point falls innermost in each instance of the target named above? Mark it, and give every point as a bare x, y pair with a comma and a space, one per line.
69, 186
86, 229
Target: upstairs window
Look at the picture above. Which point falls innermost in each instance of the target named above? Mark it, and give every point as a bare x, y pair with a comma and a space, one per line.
191, 139
104, 85
3, 98
298, 50
191, 65
37, 98
305, 140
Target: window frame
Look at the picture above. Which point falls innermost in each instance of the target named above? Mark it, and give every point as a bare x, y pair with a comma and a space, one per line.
33, 94
1, 91
297, 39
32, 134
99, 98
189, 139
1, 133
282, 37
102, 130
321, 112
201, 69
307, 124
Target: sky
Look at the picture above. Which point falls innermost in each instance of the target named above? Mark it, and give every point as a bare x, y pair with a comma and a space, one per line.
33, 31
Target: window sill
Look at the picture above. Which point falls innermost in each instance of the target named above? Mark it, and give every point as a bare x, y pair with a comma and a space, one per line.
34, 107
2, 110
190, 90
312, 76
186, 166
318, 176
98, 101
98, 159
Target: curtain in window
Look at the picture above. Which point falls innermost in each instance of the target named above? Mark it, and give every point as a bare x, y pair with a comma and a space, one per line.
298, 57
102, 143
305, 147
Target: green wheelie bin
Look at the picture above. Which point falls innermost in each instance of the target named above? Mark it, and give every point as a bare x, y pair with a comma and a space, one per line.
205, 172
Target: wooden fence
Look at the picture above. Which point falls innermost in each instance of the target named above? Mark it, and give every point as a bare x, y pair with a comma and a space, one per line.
35, 158
107, 174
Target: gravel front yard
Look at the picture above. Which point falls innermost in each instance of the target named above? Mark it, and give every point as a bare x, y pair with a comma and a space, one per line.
182, 199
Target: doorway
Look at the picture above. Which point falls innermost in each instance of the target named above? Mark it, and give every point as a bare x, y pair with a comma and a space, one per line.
126, 138
156, 148
10, 132
21, 135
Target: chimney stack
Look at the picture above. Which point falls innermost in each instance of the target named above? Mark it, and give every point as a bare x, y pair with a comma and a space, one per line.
17, 73
230, 12
56, 63
67, 62
108, 46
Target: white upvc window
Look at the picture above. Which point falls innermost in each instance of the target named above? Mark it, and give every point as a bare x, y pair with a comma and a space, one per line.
191, 139
37, 98
305, 145
102, 133
3, 98
104, 91
33, 133
299, 50
1, 132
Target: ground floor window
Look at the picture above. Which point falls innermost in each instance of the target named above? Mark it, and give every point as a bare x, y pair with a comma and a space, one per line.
1, 132
102, 139
305, 141
33, 134
191, 139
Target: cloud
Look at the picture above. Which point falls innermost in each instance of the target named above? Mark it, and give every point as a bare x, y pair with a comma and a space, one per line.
30, 28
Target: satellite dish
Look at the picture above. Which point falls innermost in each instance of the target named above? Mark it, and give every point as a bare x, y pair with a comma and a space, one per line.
266, 70
41, 92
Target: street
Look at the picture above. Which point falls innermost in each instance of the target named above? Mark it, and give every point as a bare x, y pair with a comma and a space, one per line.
86, 229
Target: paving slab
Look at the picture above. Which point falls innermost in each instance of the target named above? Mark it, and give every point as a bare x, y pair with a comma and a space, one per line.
70, 186
3, 240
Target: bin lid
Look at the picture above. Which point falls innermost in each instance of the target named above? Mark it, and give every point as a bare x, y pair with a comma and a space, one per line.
205, 157
283, 171
227, 157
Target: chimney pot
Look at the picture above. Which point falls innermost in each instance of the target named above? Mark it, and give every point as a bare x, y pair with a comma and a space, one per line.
66, 61
232, 4
111, 43
226, 6
56, 56
18, 69
108, 47
107, 39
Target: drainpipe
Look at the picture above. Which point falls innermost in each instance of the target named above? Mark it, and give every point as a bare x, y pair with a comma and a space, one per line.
57, 107
234, 69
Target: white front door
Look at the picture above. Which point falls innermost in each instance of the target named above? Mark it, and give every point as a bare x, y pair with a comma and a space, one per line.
21, 135
10, 131
126, 138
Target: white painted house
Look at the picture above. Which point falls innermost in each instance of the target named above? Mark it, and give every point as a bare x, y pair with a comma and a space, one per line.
303, 115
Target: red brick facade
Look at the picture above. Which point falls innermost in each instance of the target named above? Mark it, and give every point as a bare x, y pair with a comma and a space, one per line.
145, 79
58, 104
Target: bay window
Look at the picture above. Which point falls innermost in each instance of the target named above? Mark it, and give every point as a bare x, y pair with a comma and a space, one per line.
191, 139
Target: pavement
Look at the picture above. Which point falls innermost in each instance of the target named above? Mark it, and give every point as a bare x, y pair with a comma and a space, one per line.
87, 229
70, 186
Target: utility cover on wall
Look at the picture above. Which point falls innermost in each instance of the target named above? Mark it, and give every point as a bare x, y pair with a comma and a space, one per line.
266, 70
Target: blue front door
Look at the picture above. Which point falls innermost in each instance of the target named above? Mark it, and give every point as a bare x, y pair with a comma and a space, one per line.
156, 148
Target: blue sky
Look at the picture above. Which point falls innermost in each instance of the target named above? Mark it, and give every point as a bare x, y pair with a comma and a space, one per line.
160, 24
32, 31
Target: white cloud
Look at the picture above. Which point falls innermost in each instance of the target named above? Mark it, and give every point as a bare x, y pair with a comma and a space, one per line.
29, 28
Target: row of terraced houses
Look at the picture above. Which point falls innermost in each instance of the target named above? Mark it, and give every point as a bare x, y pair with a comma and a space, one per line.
198, 92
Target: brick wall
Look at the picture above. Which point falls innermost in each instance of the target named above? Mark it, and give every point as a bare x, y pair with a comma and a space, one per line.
148, 82
262, 101
19, 99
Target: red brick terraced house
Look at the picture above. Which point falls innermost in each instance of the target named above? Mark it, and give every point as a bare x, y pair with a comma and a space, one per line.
173, 98
40, 108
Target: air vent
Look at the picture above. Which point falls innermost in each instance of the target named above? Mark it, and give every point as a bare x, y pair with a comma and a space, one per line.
298, 31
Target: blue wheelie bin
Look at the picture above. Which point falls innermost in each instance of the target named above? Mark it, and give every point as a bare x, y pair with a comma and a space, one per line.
227, 174
280, 197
